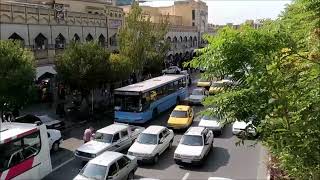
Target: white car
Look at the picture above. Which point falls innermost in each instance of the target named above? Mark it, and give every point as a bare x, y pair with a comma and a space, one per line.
115, 137
151, 143
55, 139
109, 165
172, 70
213, 123
241, 126
194, 146
197, 96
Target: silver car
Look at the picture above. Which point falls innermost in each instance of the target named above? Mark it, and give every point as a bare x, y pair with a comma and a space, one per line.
109, 165
213, 123
197, 96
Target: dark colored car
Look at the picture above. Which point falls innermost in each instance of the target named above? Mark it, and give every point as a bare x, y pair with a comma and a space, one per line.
44, 119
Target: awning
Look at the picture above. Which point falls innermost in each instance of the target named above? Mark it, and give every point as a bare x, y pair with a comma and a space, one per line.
45, 69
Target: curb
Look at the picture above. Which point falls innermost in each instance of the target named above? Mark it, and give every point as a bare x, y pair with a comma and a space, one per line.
268, 169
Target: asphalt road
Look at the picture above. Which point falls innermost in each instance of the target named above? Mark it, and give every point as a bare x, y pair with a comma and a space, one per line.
226, 160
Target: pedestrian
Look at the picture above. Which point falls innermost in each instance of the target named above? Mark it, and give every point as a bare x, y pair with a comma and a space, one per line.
88, 134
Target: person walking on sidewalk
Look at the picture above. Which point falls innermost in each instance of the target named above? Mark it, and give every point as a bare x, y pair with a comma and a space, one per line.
88, 134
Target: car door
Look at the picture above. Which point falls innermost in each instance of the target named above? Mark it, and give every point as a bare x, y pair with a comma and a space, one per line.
116, 142
167, 139
190, 116
50, 140
113, 172
124, 167
208, 138
124, 139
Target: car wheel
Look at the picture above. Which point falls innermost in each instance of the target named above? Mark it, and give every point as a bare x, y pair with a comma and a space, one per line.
55, 146
156, 159
130, 176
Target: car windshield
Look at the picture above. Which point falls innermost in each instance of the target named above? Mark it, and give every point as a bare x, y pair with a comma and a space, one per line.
145, 138
197, 92
94, 171
106, 138
192, 140
179, 114
212, 118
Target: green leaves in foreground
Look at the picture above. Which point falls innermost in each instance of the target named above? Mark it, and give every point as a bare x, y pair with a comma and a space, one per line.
17, 74
278, 73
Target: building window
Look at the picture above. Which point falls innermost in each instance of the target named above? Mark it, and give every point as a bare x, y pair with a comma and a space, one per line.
193, 24
193, 14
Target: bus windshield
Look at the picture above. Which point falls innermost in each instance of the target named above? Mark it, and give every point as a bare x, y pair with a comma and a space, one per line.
128, 103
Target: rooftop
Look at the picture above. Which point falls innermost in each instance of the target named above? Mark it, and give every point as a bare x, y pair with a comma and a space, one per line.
153, 129
150, 83
113, 128
195, 131
10, 131
181, 108
106, 158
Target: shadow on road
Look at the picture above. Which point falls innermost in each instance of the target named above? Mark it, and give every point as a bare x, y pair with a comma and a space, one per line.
218, 157
227, 132
165, 160
60, 156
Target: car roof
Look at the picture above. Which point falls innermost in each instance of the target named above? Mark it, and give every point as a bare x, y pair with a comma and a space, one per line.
182, 108
195, 131
106, 158
113, 128
154, 129
10, 131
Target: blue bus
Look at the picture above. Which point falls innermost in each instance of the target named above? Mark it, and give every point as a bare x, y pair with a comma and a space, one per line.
143, 101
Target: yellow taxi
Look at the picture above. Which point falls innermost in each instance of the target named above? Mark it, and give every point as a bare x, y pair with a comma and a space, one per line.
181, 117
218, 86
204, 83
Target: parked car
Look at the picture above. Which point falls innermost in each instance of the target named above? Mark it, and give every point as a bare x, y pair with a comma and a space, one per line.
219, 86
194, 146
115, 137
212, 123
151, 143
44, 119
181, 117
205, 83
109, 165
197, 96
240, 126
172, 70
55, 139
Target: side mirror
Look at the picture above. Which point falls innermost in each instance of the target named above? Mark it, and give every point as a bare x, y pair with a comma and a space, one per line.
109, 177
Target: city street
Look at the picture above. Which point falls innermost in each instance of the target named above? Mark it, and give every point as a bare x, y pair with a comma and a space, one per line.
225, 160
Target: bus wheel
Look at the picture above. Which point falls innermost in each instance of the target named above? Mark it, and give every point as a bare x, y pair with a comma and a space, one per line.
154, 113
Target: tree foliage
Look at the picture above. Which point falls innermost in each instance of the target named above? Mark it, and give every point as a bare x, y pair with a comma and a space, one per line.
84, 66
141, 41
278, 73
17, 74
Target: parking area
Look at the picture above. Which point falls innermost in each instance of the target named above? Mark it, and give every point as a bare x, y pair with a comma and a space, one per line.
225, 160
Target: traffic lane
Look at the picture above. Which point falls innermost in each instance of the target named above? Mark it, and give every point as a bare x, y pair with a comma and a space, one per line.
66, 172
225, 160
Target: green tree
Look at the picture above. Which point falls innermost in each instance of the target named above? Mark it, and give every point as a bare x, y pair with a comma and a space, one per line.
84, 67
120, 68
142, 41
17, 74
278, 74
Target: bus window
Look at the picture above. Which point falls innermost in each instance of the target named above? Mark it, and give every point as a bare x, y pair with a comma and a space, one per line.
10, 153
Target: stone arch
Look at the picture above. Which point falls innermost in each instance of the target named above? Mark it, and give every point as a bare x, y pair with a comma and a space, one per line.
41, 42
89, 38
60, 41
17, 37
113, 40
102, 40
195, 40
169, 39
76, 38
19, 19
181, 39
